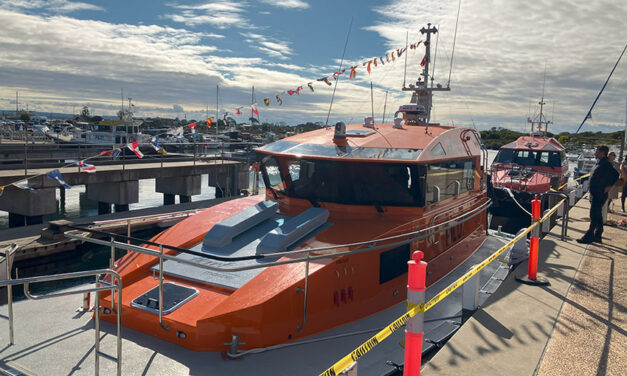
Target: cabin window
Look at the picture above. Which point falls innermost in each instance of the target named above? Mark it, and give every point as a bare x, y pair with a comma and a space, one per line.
530, 157
351, 183
448, 179
393, 263
438, 150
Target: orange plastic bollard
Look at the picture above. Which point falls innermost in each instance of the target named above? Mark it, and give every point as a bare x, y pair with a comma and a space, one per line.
534, 247
416, 287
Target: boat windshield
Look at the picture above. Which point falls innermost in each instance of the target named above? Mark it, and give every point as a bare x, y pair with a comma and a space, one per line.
530, 157
351, 183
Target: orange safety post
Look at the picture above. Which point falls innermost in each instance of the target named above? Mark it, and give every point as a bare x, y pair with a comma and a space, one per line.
534, 247
416, 281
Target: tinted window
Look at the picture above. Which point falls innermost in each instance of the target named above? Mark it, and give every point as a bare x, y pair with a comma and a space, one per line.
449, 178
351, 183
529, 157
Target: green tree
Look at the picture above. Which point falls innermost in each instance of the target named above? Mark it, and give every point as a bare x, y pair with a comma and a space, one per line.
24, 116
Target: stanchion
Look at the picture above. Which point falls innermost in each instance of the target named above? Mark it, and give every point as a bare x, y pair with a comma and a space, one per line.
534, 244
414, 333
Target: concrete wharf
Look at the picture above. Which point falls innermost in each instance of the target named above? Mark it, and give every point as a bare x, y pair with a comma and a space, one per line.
118, 185
574, 326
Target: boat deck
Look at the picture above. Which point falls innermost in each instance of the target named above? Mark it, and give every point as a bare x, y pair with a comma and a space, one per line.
51, 338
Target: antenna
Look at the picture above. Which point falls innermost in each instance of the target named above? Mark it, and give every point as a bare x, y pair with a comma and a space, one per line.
437, 39
406, 42
326, 124
371, 101
385, 106
459, 6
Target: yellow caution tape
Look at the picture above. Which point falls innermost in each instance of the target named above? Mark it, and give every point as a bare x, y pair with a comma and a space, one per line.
414, 309
563, 185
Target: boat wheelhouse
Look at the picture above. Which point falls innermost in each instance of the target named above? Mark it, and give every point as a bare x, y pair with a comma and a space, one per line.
325, 245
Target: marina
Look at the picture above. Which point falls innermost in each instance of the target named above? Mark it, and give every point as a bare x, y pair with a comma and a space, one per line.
219, 189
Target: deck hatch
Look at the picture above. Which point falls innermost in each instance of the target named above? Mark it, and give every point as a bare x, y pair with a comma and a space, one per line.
174, 296
393, 263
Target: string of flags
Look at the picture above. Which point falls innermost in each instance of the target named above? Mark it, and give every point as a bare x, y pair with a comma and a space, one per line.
369, 65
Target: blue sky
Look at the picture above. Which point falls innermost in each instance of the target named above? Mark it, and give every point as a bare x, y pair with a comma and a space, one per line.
168, 56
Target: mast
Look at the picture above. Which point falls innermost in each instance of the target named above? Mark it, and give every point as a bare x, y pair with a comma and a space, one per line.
217, 111
422, 94
540, 120
624, 141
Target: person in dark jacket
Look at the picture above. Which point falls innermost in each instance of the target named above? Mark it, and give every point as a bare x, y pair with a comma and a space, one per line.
603, 178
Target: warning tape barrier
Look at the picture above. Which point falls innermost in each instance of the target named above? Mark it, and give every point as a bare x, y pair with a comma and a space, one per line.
565, 184
360, 351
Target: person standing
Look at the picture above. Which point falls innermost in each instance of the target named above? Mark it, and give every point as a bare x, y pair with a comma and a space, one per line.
601, 181
613, 193
623, 178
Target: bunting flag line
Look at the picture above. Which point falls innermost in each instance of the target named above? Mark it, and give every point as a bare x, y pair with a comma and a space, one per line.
158, 148
24, 184
266, 101
254, 108
56, 175
278, 99
192, 127
134, 146
209, 121
89, 168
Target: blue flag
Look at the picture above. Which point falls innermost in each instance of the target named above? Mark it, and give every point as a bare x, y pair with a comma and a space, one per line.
56, 175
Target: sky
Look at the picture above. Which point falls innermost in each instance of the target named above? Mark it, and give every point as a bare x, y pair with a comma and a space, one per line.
169, 57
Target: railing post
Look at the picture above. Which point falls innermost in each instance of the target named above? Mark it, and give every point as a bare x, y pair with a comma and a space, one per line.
97, 330
534, 244
7, 261
416, 287
470, 293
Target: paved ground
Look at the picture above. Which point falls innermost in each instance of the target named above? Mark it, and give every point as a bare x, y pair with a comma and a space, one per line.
574, 326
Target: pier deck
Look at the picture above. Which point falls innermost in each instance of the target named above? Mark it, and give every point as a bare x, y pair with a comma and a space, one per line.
573, 326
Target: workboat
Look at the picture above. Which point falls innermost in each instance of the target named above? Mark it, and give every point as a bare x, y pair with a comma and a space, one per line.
327, 242
532, 165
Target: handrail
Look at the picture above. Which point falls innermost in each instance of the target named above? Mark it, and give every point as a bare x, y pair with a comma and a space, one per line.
57, 277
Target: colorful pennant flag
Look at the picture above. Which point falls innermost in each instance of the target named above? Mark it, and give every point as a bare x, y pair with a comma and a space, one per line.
298, 89
254, 108
209, 121
278, 99
266, 101
325, 80
134, 146
116, 153
393, 58
375, 61
107, 152
238, 112
89, 168
291, 92
158, 148
192, 127
422, 63
24, 184
56, 175
1, 190
310, 86
353, 72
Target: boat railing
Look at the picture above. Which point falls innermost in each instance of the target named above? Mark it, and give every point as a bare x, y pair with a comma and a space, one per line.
520, 179
469, 282
96, 288
438, 215
309, 254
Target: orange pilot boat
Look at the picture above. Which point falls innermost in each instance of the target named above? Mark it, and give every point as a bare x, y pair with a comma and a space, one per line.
532, 165
327, 243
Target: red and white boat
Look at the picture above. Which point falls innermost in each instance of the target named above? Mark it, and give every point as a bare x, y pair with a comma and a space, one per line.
529, 166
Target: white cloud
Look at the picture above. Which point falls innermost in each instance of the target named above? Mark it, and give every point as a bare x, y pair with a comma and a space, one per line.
275, 49
54, 6
501, 52
221, 14
287, 3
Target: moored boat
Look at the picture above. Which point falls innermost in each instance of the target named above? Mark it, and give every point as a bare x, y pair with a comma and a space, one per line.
532, 165
326, 245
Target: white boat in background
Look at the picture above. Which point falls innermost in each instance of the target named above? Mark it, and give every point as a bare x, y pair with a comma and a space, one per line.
585, 163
